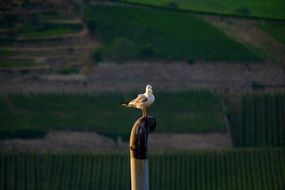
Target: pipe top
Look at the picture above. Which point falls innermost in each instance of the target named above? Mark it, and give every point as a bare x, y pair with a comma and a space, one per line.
139, 136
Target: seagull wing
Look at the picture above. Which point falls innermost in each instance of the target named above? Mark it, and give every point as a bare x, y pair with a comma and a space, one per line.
139, 99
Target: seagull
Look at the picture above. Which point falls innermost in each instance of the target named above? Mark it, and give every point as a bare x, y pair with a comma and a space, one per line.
142, 101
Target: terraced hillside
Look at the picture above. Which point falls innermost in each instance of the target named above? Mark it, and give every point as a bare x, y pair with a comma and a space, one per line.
48, 37
53, 37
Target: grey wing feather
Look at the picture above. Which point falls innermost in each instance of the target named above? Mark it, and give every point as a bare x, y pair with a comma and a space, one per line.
140, 98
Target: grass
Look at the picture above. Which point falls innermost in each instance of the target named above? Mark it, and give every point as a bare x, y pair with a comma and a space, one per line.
131, 33
49, 33
276, 30
11, 20
36, 53
68, 71
57, 16
18, 64
46, 30
189, 111
38, 30
7, 53
12, 42
255, 169
253, 8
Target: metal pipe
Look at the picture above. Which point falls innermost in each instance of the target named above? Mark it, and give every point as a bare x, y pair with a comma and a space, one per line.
139, 152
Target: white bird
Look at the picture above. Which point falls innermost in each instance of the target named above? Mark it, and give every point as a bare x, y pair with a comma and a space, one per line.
142, 101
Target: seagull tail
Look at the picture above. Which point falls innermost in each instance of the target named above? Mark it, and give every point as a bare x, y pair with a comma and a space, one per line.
125, 104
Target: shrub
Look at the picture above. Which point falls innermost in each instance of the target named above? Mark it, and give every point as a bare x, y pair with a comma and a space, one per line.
96, 55
146, 52
243, 11
68, 70
191, 60
172, 5
91, 25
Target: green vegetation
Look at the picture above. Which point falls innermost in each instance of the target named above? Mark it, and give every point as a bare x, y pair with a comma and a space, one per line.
39, 5
129, 33
18, 64
23, 134
7, 53
223, 170
52, 52
276, 30
37, 30
12, 42
57, 16
9, 20
41, 32
46, 30
262, 120
189, 111
49, 33
265, 8
96, 55
68, 71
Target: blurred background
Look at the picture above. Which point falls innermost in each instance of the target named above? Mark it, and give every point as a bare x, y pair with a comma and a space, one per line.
217, 69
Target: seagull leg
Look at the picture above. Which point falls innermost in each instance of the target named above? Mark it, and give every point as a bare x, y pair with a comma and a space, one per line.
144, 112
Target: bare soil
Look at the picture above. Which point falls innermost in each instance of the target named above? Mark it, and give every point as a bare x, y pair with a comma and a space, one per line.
133, 76
91, 141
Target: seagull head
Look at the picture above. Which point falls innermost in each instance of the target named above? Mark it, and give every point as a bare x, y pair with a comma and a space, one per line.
148, 88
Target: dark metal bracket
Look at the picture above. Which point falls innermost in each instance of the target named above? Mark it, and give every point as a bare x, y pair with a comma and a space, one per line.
139, 136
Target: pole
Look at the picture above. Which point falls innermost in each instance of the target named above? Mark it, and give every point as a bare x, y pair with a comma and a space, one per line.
139, 153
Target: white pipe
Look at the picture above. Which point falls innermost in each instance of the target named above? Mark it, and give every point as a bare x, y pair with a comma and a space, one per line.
139, 153
139, 174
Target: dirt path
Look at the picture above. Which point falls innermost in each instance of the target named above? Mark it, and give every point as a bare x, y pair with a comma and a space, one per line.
90, 141
246, 32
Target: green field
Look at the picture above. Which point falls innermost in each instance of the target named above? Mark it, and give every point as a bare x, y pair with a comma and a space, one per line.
261, 121
264, 8
188, 111
131, 33
205, 170
276, 30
